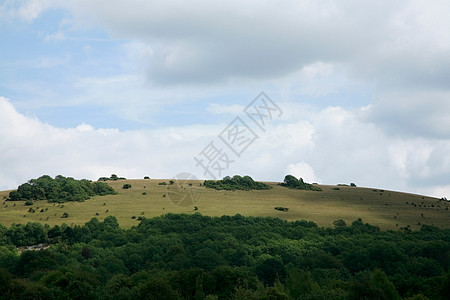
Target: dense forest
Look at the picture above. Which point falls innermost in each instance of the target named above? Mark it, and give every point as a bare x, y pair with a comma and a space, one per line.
60, 189
236, 182
179, 256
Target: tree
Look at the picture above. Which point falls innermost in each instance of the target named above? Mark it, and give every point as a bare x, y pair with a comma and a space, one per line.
157, 288
294, 183
270, 270
339, 223
60, 189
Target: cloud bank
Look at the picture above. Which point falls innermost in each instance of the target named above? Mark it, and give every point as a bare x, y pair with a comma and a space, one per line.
364, 87
332, 146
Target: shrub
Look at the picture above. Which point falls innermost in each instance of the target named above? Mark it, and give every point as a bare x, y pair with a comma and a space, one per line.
339, 223
237, 182
29, 202
298, 184
113, 177
280, 208
65, 215
126, 186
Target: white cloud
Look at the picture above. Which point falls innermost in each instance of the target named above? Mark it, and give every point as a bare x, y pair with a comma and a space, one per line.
28, 10
31, 148
174, 52
333, 146
302, 170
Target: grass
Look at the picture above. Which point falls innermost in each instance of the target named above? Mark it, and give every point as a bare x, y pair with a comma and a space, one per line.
387, 209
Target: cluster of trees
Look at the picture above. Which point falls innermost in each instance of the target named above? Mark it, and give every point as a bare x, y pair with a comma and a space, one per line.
113, 177
236, 182
59, 189
179, 256
298, 184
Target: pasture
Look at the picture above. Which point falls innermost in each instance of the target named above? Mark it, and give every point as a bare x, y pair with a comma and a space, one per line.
389, 210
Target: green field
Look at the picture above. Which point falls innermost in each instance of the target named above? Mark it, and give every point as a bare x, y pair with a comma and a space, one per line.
146, 198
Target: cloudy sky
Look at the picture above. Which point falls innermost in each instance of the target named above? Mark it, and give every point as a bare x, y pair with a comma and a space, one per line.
94, 87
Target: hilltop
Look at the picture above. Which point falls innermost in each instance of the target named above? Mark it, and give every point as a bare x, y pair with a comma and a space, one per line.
151, 197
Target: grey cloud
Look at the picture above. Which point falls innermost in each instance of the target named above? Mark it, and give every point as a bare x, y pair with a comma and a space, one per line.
204, 42
416, 114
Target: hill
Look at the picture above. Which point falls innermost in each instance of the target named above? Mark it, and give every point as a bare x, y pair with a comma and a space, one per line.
150, 197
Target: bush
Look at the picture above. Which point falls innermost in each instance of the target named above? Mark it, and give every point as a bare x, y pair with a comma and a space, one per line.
245, 183
113, 177
126, 186
65, 215
29, 202
339, 223
280, 208
298, 184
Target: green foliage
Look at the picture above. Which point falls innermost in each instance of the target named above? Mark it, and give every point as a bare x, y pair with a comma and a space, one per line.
281, 208
113, 177
339, 223
245, 183
270, 270
126, 186
298, 184
180, 256
59, 189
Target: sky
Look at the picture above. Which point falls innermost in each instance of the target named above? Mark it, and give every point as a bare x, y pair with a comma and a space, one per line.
353, 91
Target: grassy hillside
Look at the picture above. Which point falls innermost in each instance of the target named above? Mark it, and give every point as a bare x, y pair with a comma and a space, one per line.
387, 209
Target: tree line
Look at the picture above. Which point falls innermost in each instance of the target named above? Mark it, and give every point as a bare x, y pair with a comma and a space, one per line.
180, 256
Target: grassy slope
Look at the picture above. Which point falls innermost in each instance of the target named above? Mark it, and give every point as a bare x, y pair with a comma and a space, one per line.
383, 208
